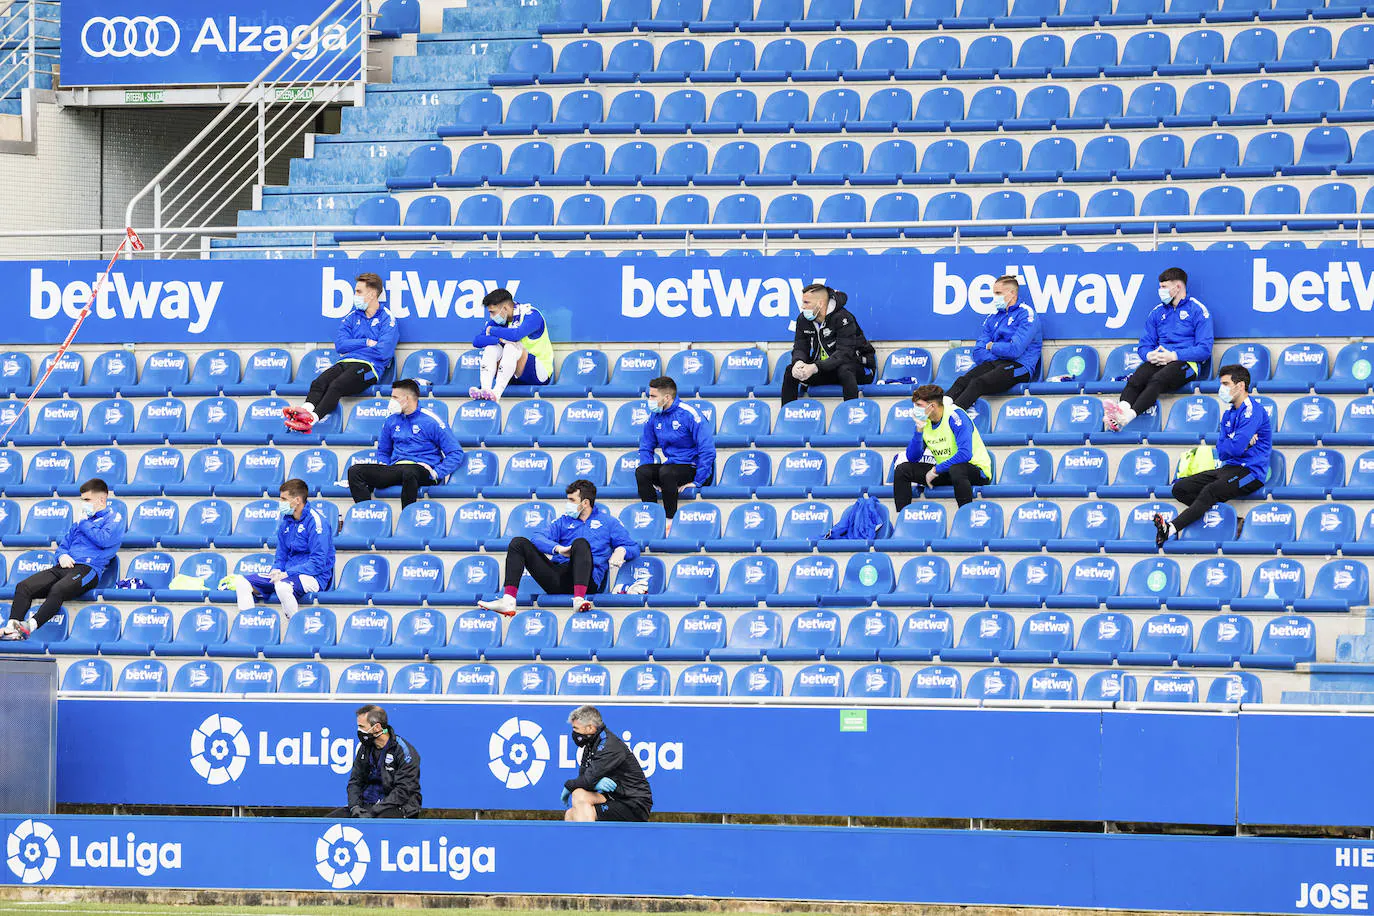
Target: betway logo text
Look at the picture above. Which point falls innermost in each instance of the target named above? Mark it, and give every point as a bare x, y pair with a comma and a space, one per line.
706, 293
1087, 294
409, 296
1310, 291
145, 300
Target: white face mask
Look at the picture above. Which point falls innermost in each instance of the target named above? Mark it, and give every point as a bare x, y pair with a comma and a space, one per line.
359, 303
285, 506
393, 406
87, 510
922, 419
1004, 304
1224, 396
1165, 296
572, 510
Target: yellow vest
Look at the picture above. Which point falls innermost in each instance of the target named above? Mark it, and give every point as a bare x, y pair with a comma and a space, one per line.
541, 347
940, 444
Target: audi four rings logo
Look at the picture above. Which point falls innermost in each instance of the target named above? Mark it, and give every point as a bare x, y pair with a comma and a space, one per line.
130, 36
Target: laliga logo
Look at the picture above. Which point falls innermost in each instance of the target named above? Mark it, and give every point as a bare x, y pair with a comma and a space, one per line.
137, 36
519, 753
32, 852
341, 857
219, 750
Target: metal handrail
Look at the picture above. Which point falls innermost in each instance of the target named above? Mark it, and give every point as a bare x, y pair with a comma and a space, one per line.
236, 106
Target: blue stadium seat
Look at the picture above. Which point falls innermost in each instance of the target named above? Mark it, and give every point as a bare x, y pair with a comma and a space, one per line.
1051, 684
88, 674
585, 680
1300, 366
1171, 688
876, 681
993, 684
1162, 639
749, 582
1221, 642
1150, 583
198, 677
1325, 530
1110, 686
761, 680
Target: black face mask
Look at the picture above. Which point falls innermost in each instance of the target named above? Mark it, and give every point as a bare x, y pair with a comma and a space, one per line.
366, 738
582, 740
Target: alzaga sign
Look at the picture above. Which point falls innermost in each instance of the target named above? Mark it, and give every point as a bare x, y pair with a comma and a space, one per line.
166, 42
586, 300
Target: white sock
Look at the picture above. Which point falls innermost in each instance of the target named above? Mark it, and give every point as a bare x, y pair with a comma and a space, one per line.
286, 592
244, 591
491, 357
1170, 529
510, 358
308, 407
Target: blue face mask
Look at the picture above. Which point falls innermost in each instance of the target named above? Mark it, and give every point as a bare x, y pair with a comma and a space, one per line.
572, 510
1003, 305
808, 314
499, 319
655, 407
359, 303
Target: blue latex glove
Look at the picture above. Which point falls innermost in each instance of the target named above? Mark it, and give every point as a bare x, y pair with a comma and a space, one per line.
567, 794
605, 785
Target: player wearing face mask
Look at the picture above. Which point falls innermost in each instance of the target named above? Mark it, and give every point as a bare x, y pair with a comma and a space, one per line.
304, 562
828, 347
515, 347
385, 781
82, 555
687, 442
366, 344
946, 450
1008, 348
610, 784
1243, 447
1177, 341
414, 449
576, 555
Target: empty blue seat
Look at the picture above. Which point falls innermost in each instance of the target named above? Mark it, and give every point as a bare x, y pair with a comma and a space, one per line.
1051, 684
1171, 688
760, 680
1162, 639
993, 684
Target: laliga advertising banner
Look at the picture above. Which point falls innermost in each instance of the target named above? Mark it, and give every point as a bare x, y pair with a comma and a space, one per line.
597, 300
976, 867
170, 43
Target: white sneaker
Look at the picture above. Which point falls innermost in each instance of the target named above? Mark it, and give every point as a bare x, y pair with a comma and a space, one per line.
1124, 415
505, 605
14, 630
1111, 416
637, 587
581, 605
7, 629
486, 394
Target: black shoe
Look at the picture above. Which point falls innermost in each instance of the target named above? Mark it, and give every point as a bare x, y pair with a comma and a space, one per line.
1161, 530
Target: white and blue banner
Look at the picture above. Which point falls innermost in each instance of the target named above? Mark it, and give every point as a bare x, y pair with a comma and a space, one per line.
173, 43
596, 300
989, 868
1074, 765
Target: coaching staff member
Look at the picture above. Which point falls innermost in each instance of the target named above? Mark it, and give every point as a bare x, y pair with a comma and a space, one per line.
610, 786
386, 771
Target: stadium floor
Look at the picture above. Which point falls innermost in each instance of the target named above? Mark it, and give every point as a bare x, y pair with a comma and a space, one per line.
285, 907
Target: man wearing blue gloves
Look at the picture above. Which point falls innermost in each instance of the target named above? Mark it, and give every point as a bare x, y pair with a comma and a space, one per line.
82, 555
1177, 341
688, 444
415, 449
610, 784
1008, 349
366, 344
575, 555
304, 563
1243, 448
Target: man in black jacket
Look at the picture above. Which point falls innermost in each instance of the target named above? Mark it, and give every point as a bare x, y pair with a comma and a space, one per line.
610, 785
386, 771
829, 347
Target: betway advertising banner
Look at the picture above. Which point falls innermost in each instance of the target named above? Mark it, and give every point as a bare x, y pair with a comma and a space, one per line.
596, 300
973, 867
171, 42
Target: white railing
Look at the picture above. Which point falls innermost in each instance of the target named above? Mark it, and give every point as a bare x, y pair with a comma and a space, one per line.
232, 153
764, 236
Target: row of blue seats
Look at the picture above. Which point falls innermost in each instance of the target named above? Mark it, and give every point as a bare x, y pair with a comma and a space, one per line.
1072, 107
1046, 636
696, 370
825, 15
1316, 474
890, 162
818, 579
701, 680
1040, 56
539, 217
